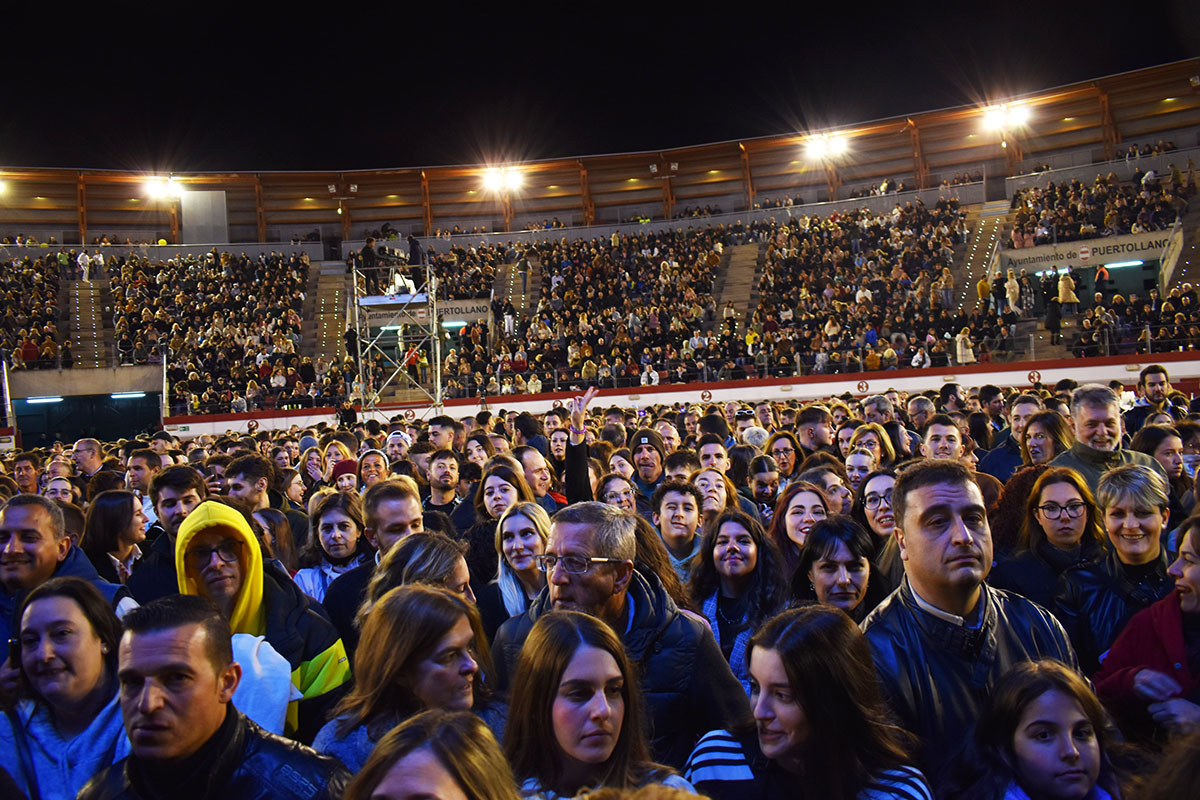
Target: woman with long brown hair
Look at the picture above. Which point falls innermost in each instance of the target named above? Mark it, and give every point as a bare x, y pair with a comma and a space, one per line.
421, 647
576, 718
821, 720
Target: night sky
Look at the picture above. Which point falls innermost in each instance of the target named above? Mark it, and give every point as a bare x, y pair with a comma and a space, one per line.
251, 89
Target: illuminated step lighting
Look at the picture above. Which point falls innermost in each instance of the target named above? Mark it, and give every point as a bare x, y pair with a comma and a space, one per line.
127, 395
32, 400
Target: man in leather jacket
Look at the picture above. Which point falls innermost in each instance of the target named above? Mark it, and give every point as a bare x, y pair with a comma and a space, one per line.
188, 742
1094, 602
944, 637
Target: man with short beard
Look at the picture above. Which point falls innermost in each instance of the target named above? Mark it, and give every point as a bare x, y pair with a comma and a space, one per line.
1096, 417
443, 483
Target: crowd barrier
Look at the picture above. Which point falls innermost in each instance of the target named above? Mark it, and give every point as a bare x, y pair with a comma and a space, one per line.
1184, 369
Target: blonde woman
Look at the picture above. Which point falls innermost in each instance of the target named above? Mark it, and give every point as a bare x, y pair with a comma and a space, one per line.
1012, 291
965, 347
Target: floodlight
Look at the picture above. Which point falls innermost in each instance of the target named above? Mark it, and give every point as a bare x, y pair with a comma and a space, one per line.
512, 179
993, 117
815, 148
492, 179
1018, 115
838, 145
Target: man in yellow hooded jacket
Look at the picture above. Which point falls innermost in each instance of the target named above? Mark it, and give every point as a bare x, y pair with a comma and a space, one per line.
218, 556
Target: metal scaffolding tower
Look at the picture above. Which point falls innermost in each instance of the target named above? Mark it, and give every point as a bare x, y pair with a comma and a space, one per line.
401, 299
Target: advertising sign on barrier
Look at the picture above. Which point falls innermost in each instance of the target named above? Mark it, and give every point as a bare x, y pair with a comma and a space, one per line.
1088, 253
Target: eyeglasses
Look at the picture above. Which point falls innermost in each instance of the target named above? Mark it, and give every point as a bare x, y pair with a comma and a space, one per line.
872, 501
227, 551
780, 452
1054, 510
613, 497
572, 565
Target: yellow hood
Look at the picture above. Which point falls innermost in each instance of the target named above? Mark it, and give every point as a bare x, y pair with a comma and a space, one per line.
248, 612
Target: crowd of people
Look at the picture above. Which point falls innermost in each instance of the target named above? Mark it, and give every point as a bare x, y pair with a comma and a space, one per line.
228, 325
962, 593
849, 292
29, 335
1070, 210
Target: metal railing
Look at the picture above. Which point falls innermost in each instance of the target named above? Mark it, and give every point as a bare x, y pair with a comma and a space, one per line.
966, 194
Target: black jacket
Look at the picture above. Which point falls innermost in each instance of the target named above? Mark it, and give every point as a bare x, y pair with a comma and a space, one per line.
937, 674
155, 576
1034, 573
246, 762
342, 600
300, 631
1096, 601
688, 685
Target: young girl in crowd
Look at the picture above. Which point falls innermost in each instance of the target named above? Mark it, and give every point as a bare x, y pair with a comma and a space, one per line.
718, 493
1042, 735
576, 716
431, 558
873, 510
503, 485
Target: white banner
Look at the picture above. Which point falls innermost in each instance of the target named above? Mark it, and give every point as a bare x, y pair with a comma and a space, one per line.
380, 313
465, 310
1088, 252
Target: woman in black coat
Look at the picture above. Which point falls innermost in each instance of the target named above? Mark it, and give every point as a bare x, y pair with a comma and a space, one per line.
1054, 319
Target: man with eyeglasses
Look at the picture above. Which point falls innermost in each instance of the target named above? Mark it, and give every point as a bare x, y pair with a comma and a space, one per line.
687, 682
87, 457
218, 556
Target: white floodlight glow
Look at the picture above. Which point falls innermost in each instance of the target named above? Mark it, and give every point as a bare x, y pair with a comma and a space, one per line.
158, 187
513, 179
838, 144
815, 148
998, 118
492, 179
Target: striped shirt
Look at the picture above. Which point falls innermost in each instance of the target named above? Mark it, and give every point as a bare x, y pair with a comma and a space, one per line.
725, 765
